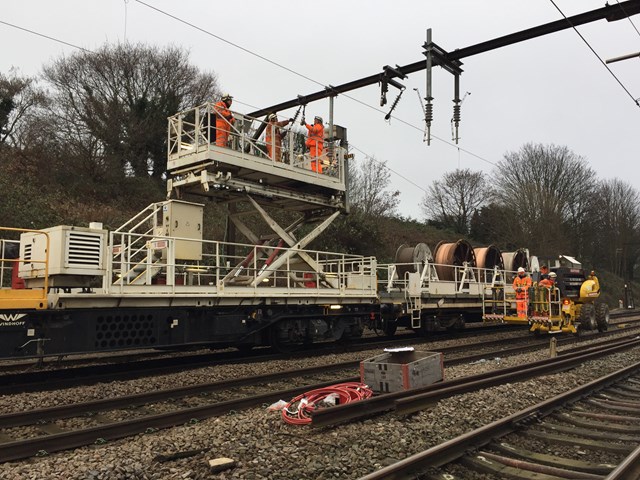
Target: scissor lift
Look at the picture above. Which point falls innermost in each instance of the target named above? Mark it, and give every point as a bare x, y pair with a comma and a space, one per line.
242, 172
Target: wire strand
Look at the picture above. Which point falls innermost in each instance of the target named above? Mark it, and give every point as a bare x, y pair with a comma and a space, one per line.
262, 57
628, 17
229, 42
47, 37
594, 52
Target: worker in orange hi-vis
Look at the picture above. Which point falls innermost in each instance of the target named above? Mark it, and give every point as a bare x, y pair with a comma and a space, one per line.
315, 142
521, 285
273, 136
224, 120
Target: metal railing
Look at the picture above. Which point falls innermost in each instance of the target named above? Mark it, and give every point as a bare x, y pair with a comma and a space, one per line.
193, 131
465, 278
139, 260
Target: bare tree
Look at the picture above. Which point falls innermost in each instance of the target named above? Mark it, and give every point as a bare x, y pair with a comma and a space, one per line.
454, 199
615, 226
19, 97
549, 190
369, 191
117, 100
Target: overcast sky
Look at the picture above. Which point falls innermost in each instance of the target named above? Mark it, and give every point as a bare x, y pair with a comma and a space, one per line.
550, 90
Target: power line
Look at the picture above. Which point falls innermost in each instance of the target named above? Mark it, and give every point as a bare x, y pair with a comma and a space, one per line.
262, 57
229, 42
46, 36
629, 17
384, 165
597, 56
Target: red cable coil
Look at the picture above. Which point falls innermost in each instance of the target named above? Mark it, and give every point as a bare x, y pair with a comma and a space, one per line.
310, 401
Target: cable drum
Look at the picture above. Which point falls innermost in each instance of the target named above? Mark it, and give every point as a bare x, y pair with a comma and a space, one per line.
412, 259
515, 260
449, 255
487, 258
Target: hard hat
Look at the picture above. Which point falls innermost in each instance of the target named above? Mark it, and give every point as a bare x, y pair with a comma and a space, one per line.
592, 272
553, 275
226, 97
520, 270
273, 116
318, 118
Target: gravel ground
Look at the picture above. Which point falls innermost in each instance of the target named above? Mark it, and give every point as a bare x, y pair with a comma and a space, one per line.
264, 447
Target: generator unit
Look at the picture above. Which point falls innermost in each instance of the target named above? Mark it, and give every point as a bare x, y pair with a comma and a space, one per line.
75, 256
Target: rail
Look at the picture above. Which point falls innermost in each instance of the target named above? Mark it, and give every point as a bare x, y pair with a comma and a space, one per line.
411, 401
460, 446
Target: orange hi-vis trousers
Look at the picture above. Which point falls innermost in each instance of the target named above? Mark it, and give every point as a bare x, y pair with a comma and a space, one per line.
522, 303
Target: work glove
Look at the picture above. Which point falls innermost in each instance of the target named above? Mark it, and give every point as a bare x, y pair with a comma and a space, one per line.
302, 122
519, 290
291, 120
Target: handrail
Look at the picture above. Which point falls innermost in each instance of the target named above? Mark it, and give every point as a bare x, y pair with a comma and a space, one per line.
189, 132
333, 271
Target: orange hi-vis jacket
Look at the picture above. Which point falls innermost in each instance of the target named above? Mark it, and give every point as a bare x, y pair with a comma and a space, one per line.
546, 282
273, 138
224, 118
524, 283
315, 139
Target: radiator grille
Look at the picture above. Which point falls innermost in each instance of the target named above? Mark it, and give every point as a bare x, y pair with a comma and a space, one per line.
84, 250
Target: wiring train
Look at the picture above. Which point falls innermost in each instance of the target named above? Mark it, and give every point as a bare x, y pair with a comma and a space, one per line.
157, 282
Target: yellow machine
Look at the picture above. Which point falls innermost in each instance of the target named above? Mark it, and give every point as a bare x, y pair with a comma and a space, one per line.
568, 306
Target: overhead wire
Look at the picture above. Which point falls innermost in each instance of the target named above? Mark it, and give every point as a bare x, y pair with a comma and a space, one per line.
597, 56
47, 37
262, 57
628, 17
279, 65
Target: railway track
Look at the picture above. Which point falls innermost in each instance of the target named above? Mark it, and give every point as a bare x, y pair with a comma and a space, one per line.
41, 380
103, 420
52, 363
601, 416
48, 379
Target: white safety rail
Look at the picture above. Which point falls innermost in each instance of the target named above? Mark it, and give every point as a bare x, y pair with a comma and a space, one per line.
465, 279
192, 144
146, 264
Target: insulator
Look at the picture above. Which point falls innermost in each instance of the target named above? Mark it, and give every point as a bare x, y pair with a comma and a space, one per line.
456, 114
428, 113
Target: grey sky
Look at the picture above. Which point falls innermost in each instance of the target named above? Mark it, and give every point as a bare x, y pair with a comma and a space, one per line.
549, 90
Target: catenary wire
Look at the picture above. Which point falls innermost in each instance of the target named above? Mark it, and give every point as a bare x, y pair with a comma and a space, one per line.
594, 52
47, 37
628, 17
304, 76
281, 66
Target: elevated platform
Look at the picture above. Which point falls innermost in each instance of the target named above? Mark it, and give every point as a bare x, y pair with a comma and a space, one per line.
196, 165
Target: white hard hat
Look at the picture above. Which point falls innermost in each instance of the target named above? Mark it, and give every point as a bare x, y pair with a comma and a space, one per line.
273, 116
553, 275
520, 270
226, 96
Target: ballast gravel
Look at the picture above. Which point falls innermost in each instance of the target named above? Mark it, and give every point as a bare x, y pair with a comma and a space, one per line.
264, 447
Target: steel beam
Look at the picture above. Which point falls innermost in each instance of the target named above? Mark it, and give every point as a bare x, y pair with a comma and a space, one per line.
611, 13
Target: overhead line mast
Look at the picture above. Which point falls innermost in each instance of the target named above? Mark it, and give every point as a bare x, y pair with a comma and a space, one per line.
611, 13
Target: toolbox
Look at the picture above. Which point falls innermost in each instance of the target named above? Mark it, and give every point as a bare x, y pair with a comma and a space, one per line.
402, 369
